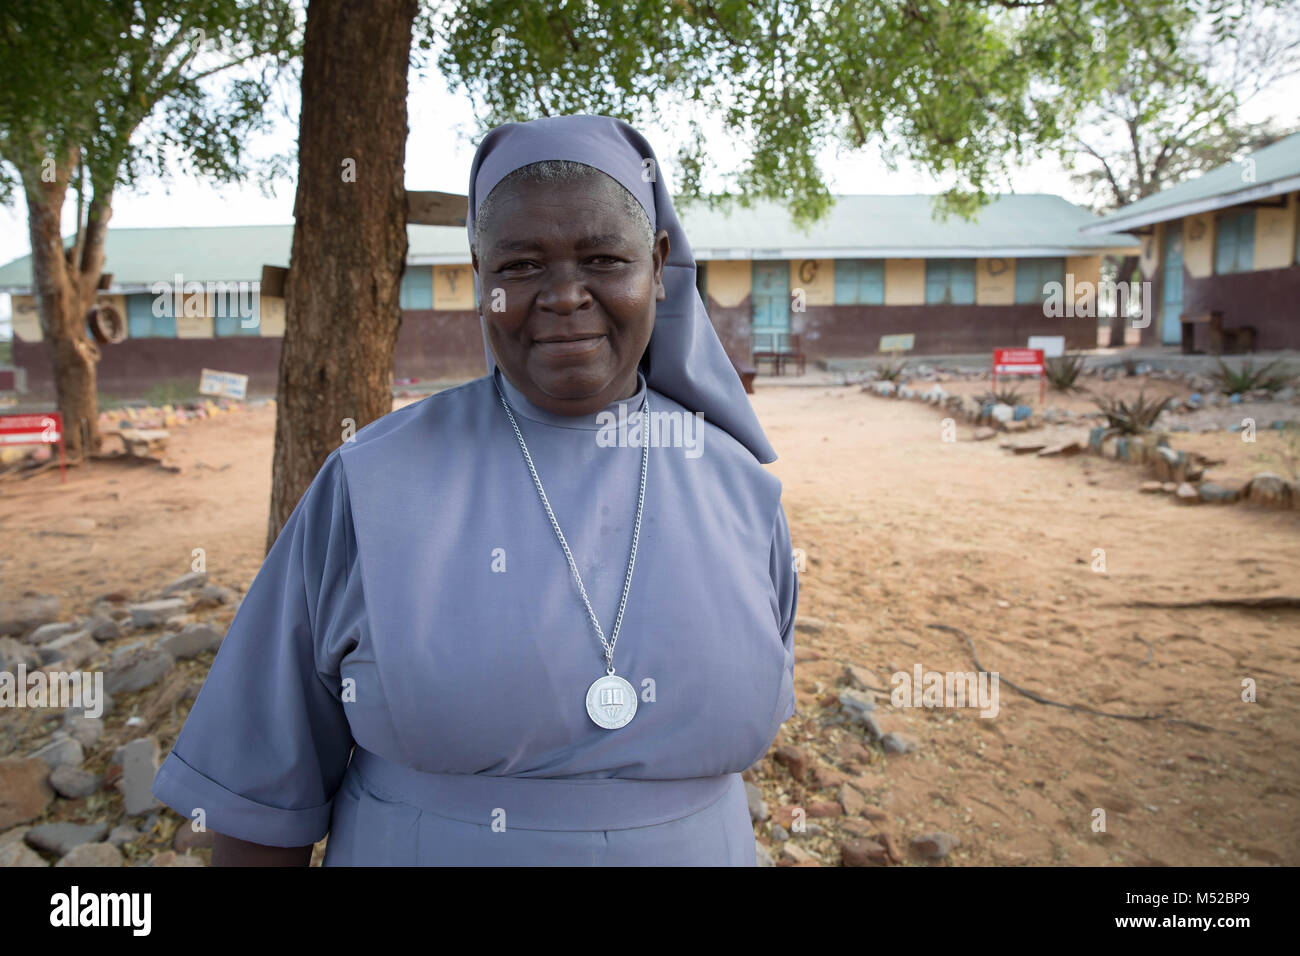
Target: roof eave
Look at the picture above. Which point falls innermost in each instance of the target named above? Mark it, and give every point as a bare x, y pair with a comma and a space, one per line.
1119, 220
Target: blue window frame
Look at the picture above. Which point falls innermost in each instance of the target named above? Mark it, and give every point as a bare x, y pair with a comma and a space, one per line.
141, 323
417, 287
1234, 241
949, 281
859, 281
1033, 276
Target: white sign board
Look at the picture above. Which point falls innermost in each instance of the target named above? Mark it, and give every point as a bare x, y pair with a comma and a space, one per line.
1053, 346
897, 343
228, 384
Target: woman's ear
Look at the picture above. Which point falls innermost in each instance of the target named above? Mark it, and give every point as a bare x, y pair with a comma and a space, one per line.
661, 249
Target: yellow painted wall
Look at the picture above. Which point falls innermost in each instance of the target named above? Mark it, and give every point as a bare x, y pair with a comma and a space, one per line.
1198, 245
995, 281
1152, 245
817, 279
904, 282
453, 288
729, 281
189, 326
26, 318
1084, 269
271, 310
1275, 235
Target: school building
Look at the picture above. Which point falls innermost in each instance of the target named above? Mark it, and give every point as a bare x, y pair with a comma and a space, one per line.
876, 266
1222, 252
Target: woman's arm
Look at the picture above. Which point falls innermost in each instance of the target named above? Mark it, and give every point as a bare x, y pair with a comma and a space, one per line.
227, 851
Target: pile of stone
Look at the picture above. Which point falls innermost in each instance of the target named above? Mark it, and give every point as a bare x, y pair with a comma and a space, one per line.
78, 791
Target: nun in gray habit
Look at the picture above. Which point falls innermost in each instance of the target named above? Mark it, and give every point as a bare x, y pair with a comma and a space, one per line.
522, 621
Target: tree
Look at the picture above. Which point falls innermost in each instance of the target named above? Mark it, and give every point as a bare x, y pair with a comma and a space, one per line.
342, 309
1175, 106
95, 94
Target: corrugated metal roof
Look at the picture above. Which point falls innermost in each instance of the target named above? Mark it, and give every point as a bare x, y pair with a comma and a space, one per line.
858, 226
1274, 171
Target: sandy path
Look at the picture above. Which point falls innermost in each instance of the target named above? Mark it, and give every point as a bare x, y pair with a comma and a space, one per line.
901, 531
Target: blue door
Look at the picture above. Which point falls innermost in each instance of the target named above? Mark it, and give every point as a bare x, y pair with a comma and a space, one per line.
771, 295
1171, 301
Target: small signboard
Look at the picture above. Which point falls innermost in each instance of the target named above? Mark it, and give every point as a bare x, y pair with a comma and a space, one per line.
1053, 346
43, 428
897, 343
1020, 362
228, 384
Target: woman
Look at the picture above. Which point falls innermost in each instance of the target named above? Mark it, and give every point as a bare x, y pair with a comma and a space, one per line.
551, 635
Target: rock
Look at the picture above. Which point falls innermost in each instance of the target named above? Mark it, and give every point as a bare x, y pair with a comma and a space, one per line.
794, 759
1151, 487
779, 833
154, 613
871, 725
1269, 489
793, 853
824, 808
139, 760
190, 642
61, 838
1187, 494
24, 792
48, 632
859, 678
103, 628
1002, 413
1217, 494
186, 582
179, 622
19, 853
13, 653
62, 751
857, 703
187, 838
863, 853
809, 625
1063, 450
213, 595
983, 433
84, 730
1169, 487
934, 846
1022, 413
92, 854
20, 616
896, 743
1029, 448
73, 782
122, 834
142, 668
172, 858
757, 808
851, 801
74, 649
824, 777
761, 856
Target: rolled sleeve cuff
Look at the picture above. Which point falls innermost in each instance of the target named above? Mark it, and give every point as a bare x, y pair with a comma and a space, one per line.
185, 790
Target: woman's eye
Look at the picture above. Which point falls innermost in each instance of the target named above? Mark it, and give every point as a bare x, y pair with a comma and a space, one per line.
605, 260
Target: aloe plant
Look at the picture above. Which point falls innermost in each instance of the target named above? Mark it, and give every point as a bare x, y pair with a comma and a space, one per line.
1131, 418
1063, 371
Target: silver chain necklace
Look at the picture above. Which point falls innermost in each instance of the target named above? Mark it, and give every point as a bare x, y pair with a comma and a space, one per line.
611, 700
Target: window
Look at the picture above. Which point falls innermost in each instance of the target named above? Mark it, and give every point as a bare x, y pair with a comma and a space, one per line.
950, 282
1234, 241
141, 323
859, 281
1033, 276
417, 287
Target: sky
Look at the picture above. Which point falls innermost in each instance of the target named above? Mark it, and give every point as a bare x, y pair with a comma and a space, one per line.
439, 151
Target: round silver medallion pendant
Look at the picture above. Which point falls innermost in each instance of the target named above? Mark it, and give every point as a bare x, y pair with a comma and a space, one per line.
611, 702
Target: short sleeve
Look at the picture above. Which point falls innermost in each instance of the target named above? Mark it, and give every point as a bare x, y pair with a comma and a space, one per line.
785, 586
266, 744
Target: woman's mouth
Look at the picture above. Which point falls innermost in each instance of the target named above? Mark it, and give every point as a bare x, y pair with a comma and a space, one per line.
569, 345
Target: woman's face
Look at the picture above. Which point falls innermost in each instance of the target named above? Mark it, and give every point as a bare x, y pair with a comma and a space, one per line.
568, 291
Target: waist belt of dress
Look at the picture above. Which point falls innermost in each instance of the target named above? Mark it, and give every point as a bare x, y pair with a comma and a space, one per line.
540, 803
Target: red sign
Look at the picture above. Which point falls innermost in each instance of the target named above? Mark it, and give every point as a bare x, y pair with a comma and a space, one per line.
1020, 362
43, 428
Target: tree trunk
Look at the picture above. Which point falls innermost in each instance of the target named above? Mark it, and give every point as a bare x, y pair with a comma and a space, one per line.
342, 309
1127, 266
63, 295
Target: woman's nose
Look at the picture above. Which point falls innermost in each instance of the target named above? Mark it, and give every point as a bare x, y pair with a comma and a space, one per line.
563, 290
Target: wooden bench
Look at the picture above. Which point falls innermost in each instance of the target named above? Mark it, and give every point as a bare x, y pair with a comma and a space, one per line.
778, 348
1221, 340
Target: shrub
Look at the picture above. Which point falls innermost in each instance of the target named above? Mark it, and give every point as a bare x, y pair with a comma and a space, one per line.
1131, 418
1004, 395
1063, 371
1249, 378
891, 371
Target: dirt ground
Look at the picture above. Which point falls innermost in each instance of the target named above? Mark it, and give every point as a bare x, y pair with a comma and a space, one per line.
901, 531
